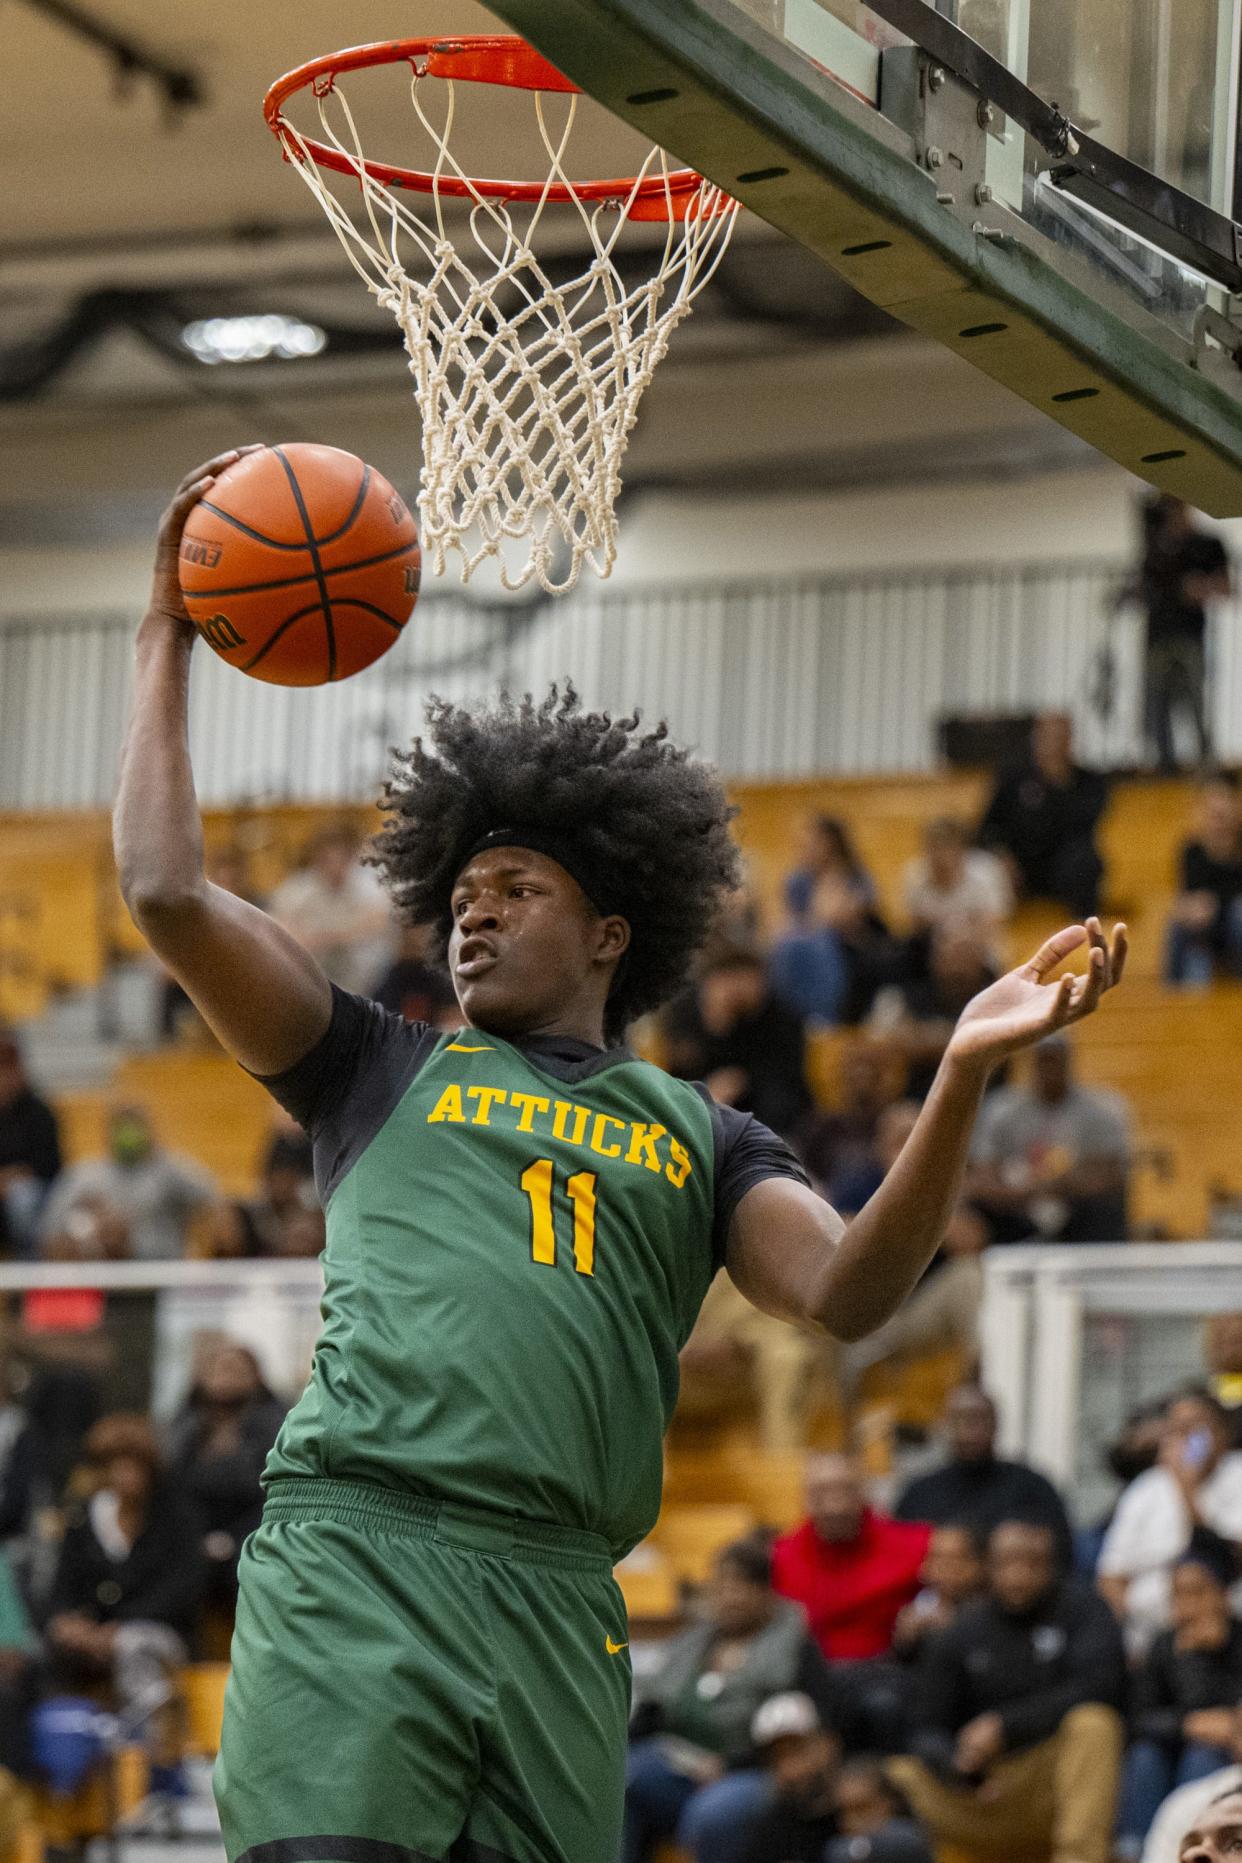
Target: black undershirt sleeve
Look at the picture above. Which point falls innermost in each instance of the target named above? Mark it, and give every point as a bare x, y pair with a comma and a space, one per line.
747, 1153
314, 1087
344, 1089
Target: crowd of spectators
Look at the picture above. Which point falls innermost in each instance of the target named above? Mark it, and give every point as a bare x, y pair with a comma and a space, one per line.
958, 1669
837, 961
964, 1670
118, 1562
137, 1200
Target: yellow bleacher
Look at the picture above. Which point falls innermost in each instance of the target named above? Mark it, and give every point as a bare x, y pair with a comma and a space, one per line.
63, 917
53, 875
201, 1686
204, 1104
1140, 835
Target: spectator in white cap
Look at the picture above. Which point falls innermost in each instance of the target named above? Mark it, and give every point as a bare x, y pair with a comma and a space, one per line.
802, 1760
692, 1773
824, 1811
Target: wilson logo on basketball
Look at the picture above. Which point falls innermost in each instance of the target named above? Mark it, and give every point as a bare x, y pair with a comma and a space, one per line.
194, 551
220, 633
396, 505
411, 579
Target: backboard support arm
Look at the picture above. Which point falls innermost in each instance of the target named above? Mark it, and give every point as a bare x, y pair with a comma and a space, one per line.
1153, 209
823, 165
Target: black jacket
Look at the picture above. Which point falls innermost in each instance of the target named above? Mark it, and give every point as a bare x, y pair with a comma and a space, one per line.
29, 1136
770, 1047
1174, 1683
22, 1463
1031, 1670
225, 1489
1033, 820
982, 1494
29, 1140
160, 1579
782, 1834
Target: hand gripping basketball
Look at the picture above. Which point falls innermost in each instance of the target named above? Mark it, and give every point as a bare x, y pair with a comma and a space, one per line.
298, 564
167, 600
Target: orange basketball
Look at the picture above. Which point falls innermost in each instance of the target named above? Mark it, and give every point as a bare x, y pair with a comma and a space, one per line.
301, 565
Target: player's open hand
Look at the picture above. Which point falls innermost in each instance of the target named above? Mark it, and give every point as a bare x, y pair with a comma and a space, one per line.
1033, 1001
166, 601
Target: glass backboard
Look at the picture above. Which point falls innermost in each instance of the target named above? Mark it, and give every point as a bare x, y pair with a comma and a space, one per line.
1156, 80
891, 139
1153, 81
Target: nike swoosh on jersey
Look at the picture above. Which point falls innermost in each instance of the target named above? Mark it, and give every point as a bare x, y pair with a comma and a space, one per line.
614, 1649
457, 1047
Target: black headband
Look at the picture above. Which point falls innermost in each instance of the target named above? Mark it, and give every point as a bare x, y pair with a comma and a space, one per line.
564, 850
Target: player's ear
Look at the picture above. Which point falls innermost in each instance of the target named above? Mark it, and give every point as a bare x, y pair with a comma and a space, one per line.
613, 939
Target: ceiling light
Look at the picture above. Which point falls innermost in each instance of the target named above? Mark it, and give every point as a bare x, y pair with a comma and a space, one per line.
253, 339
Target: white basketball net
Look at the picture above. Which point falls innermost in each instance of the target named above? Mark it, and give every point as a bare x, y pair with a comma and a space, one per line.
527, 387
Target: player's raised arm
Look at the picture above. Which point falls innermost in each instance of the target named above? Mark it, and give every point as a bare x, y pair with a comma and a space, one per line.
265, 998
791, 1254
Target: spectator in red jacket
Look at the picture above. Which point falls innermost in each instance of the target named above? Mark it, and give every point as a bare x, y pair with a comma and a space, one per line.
853, 1570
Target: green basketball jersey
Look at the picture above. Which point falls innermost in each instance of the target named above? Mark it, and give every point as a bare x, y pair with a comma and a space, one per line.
519, 1239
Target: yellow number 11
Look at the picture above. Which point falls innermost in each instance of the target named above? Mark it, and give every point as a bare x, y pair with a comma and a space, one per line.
537, 1183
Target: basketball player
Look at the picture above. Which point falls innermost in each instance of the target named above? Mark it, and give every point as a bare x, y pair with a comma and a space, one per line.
430, 1659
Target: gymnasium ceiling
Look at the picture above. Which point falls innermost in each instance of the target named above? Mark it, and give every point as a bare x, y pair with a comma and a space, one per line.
125, 217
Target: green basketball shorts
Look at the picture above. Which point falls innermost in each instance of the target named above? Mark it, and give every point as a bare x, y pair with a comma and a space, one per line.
415, 1682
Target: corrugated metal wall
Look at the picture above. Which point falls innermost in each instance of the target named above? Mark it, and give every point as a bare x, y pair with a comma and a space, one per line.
772, 680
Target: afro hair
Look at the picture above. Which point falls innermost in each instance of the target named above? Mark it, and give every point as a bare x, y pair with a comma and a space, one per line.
641, 810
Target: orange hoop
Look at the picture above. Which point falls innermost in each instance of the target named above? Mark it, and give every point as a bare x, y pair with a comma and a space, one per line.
527, 376
472, 58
